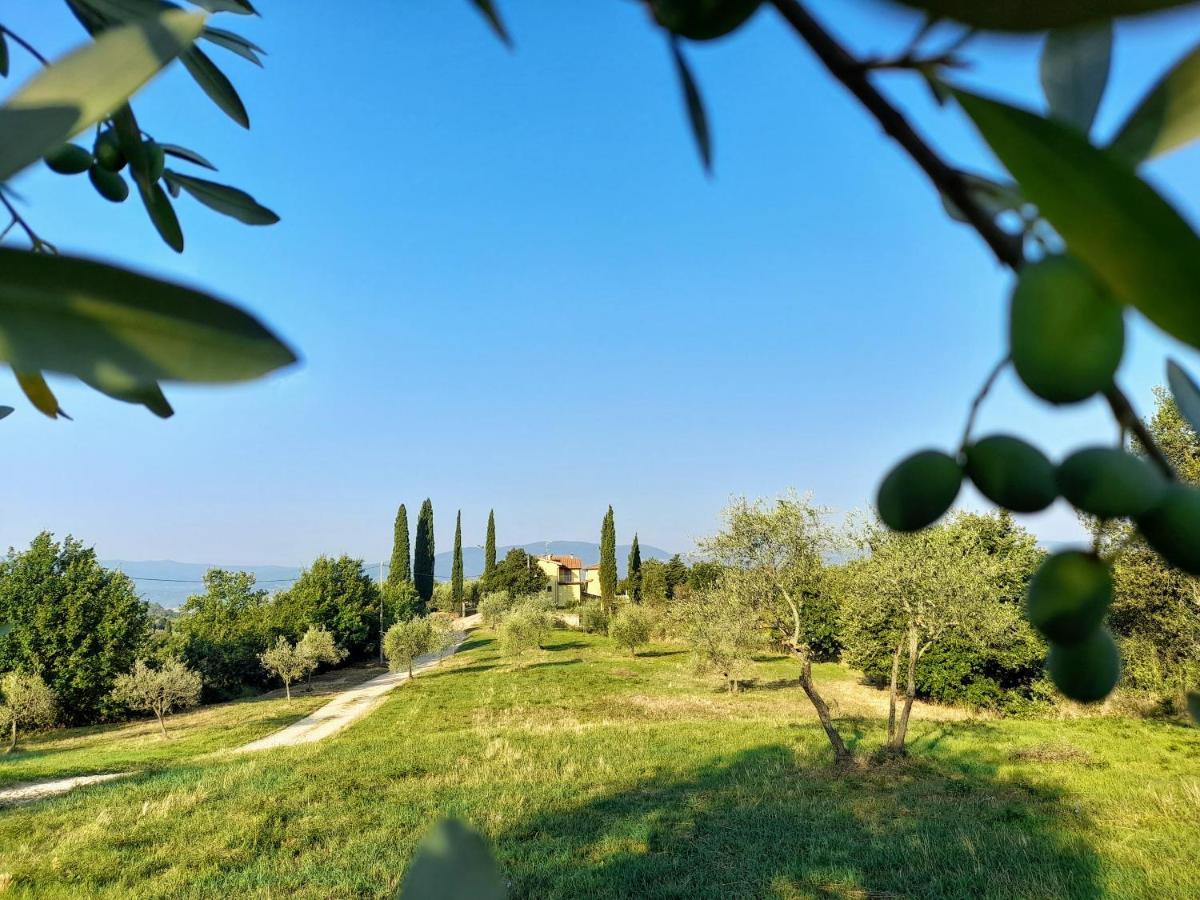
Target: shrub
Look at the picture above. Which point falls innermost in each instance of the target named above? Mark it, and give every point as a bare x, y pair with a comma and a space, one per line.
593, 618
630, 628
28, 703
524, 628
493, 606
170, 687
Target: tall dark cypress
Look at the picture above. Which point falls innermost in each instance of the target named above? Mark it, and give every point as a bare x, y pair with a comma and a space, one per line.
489, 546
456, 571
633, 573
608, 558
423, 555
400, 569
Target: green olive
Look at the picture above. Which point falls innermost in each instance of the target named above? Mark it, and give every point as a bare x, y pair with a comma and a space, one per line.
1110, 483
1086, 671
1172, 527
1068, 596
702, 20
1066, 331
108, 152
109, 185
69, 159
155, 159
1012, 473
919, 490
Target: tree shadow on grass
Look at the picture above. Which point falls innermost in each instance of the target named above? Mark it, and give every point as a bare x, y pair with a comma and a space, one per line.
556, 663
566, 645
653, 654
441, 673
767, 823
474, 643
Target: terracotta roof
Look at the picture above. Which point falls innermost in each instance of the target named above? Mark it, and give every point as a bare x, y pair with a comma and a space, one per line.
568, 562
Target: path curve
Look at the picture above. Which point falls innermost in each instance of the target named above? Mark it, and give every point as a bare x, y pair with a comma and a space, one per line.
354, 703
31, 792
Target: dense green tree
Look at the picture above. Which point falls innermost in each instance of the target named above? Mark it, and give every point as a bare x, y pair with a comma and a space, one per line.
456, 568
221, 632
677, 576
424, 554
518, 575
633, 571
400, 569
489, 547
608, 558
654, 582
73, 622
336, 594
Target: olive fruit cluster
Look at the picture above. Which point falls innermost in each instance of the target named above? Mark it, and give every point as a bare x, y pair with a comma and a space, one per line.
104, 163
702, 20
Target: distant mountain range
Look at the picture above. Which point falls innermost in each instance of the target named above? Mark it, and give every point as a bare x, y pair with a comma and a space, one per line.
170, 583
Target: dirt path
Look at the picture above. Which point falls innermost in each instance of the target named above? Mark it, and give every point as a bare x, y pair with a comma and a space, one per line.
351, 705
18, 794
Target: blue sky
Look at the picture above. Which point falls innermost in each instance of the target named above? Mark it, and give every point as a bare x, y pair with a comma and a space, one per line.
513, 287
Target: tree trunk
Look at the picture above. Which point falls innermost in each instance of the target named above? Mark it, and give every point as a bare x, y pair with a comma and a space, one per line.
162, 726
840, 753
287, 689
12, 744
410, 674
910, 692
892, 692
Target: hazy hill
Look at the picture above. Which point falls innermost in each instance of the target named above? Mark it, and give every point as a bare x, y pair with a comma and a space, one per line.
170, 583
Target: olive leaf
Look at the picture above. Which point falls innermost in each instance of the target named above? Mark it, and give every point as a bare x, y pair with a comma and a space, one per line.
214, 83
129, 391
185, 154
228, 201
240, 7
87, 85
488, 9
1075, 66
1186, 394
34, 387
1108, 217
1038, 15
1167, 118
162, 213
234, 43
102, 323
5, 412
697, 117
453, 860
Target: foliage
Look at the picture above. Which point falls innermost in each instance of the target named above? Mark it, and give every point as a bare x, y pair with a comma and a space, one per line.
288, 662
456, 567
493, 606
318, 645
339, 596
443, 598
26, 701
608, 557
169, 687
221, 632
401, 601
73, 623
723, 634
424, 556
654, 588
593, 617
117, 331
400, 568
405, 641
631, 628
517, 575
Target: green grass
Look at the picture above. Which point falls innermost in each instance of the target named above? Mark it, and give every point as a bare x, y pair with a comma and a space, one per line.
140, 746
597, 775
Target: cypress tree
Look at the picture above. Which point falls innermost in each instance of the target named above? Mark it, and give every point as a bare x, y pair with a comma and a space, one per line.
400, 569
608, 558
456, 571
423, 555
633, 574
489, 547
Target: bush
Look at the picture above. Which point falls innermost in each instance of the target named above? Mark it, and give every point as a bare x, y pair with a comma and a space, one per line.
630, 628
592, 618
405, 641
493, 606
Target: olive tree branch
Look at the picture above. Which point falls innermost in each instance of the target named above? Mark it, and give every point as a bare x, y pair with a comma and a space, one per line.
29, 48
1007, 248
36, 242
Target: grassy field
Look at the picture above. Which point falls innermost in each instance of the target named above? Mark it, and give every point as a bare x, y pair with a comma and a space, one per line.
594, 774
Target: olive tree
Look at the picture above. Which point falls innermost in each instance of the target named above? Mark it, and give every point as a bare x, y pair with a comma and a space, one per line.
773, 553
162, 690
631, 628
722, 630
405, 641
288, 662
27, 703
318, 645
524, 627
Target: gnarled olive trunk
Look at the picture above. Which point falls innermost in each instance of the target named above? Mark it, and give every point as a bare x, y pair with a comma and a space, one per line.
12, 743
891, 736
897, 743
840, 752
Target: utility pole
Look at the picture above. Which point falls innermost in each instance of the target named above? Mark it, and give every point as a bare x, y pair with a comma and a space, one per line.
381, 602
